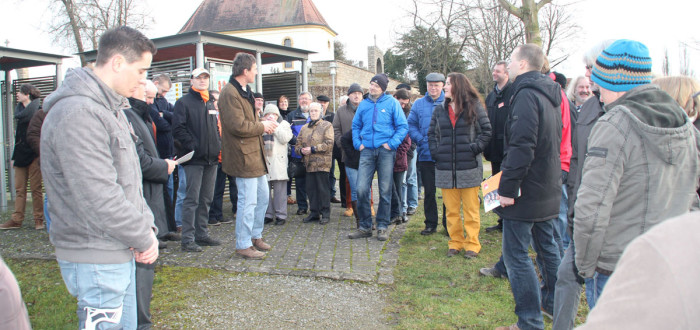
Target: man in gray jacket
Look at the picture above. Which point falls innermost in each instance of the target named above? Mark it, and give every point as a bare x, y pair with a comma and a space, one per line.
101, 223
642, 164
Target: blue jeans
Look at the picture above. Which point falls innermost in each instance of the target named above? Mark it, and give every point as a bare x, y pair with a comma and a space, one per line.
529, 297
47, 218
378, 160
181, 193
567, 292
253, 197
108, 286
594, 288
352, 180
410, 185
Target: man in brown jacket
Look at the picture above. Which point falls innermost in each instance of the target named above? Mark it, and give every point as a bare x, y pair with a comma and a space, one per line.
242, 155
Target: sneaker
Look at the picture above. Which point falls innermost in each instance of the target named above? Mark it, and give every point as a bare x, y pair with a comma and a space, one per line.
226, 220
360, 234
428, 231
172, 236
280, 222
335, 200
411, 211
261, 245
498, 227
191, 247
214, 222
10, 225
250, 253
492, 272
382, 235
301, 211
470, 254
207, 241
310, 218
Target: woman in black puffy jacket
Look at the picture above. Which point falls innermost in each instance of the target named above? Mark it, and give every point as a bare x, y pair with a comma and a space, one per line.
459, 132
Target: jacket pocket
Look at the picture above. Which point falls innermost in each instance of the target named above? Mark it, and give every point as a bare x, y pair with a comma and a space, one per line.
595, 157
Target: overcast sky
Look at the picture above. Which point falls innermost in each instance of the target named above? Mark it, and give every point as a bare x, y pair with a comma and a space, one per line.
357, 22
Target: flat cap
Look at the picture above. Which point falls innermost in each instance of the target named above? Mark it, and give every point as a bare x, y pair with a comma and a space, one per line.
323, 98
435, 77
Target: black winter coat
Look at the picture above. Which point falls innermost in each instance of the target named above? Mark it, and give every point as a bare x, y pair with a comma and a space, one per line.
498, 107
457, 151
23, 154
154, 170
162, 116
531, 163
352, 159
195, 127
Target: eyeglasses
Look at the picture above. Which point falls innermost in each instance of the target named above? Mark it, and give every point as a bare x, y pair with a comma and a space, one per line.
589, 67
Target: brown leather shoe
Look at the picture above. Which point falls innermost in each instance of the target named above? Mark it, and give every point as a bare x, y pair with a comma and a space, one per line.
291, 200
39, 224
452, 252
470, 254
10, 225
335, 200
261, 245
348, 212
250, 253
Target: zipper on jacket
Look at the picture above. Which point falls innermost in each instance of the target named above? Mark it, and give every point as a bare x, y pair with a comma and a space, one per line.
454, 150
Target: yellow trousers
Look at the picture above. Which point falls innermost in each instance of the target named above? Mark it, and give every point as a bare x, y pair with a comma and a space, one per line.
464, 234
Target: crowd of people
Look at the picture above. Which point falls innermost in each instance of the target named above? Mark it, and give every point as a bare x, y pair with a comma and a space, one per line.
585, 171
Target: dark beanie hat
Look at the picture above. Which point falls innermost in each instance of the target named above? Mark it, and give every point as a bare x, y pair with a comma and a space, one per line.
403, 86
623, 65
258, 96
382, 80
355, 87
323, 98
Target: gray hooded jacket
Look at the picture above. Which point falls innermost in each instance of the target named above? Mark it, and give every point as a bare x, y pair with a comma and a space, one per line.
92, 174
642, 167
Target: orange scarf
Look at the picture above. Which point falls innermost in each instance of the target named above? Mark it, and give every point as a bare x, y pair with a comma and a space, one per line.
204, 93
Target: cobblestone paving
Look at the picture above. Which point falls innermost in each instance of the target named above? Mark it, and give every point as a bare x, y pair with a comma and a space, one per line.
298, 249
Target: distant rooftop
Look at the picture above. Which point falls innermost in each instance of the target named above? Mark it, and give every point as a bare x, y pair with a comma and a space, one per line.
237, 15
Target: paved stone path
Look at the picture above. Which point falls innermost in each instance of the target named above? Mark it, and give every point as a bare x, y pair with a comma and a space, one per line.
298, 249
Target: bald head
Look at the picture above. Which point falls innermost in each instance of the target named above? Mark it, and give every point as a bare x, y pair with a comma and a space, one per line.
151, 91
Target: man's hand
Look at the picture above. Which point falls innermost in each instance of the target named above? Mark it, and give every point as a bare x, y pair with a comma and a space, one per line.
506, 201
171, 165
386, 146
306, 151
362, 146
149, 256
270, 126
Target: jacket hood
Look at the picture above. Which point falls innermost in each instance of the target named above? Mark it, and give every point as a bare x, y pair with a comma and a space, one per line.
141, 108
537, 81
84, 82
440, 98
656, 117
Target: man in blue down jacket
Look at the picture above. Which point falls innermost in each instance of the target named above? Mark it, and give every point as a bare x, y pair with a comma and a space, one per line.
530, 186
378, 128
418, 125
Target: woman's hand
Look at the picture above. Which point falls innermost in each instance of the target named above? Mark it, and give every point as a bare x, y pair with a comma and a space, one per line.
306, 151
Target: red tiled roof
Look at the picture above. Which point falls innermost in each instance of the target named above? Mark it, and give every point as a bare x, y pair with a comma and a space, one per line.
233, 15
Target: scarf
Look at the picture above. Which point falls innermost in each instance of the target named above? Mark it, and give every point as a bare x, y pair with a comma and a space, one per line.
204, 93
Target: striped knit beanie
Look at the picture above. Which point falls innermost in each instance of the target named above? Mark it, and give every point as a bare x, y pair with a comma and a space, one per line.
623, 65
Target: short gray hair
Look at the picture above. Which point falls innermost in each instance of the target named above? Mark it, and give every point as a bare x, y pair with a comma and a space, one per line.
315, 104
592, 54
306, 93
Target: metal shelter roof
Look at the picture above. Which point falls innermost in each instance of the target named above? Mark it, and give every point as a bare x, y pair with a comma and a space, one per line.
12, 58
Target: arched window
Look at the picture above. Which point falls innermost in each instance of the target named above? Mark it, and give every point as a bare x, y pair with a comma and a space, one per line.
288, 43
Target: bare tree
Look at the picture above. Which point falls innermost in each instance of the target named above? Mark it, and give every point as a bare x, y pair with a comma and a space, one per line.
557, 29
665, 69
685, 68
528, 14
79, 23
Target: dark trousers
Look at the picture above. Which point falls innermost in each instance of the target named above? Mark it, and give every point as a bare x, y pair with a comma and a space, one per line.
331, 178
319, 194
169, 210
300, 182
341, 184
144, 287
495, 167
397, 196
195, 208
427, 174
217, 204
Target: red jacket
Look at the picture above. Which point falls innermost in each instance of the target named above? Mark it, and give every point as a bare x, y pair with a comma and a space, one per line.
565, 147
